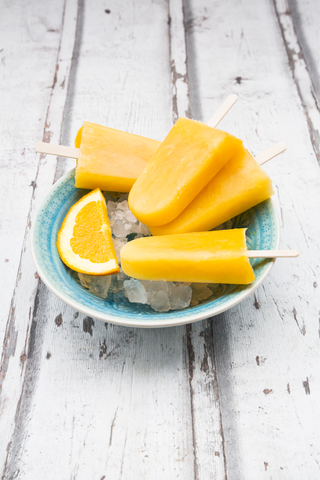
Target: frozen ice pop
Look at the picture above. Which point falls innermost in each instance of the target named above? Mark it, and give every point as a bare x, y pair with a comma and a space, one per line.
108, 159
189, 157
239, 185
205, 257
111, 159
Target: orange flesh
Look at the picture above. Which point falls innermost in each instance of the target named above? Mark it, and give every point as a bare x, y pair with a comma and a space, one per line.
111, 159
241, 184
89, 238
189, 157
84, 241
206, 257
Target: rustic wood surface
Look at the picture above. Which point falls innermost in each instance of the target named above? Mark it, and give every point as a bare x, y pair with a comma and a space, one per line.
233, 397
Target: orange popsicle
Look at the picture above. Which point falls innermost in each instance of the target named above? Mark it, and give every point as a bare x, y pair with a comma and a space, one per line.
205, 257
111, 159
189, 157
239, 185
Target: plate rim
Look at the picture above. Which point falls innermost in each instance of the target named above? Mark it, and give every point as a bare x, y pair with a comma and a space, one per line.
123, 321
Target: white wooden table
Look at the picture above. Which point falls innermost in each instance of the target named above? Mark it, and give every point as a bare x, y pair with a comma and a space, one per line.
233, 397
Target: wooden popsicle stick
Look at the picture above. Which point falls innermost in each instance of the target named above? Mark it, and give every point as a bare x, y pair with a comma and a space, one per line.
58, 150
222, 110
271, 152
272, 253
70, 152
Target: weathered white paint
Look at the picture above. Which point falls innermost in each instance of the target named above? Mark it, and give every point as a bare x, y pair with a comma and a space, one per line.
235, 397
26, 75
306, 14
167, 422
266, 349
301, 74
207, 434
178, 61
36, 23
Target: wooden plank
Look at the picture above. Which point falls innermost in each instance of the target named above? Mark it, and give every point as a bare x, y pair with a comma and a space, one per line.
19, 335
305, 82
107, 400
134, 99
178, 61
84, 400
266, 349
207, 431
305, 15
23, 64
103, 401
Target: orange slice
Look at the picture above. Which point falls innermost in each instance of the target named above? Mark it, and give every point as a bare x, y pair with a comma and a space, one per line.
84, 240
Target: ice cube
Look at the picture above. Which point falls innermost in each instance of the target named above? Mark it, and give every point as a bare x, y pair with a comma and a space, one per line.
111, 207
161, 296
144, 229
123, 205
179, 296
128, 214
135, 291
117, 282
134, 228
118, 243
120, 229
98, 285
160, 302
200, 291
154, 287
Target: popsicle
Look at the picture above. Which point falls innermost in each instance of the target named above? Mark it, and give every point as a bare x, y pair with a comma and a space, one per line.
111, 159
189, 157
205, 257
239, 185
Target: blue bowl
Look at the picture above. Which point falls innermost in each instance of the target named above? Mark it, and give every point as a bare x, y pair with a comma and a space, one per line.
262, 234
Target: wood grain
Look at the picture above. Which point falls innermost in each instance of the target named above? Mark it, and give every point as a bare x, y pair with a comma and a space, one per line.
19, 333
266, 347
207, 432
107, 432
305, 15
23, 116
305, 83
234, 397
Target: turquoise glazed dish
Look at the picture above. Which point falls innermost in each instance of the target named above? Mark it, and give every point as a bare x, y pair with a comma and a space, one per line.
262, 234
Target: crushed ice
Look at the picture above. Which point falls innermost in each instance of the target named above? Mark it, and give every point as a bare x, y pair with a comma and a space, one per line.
97, 285
161, 296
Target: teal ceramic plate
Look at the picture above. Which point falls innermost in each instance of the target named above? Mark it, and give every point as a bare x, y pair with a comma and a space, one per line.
262, 234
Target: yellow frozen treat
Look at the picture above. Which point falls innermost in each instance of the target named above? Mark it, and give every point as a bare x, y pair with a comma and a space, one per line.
205, 257
111, 159
188, 158
241, 184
